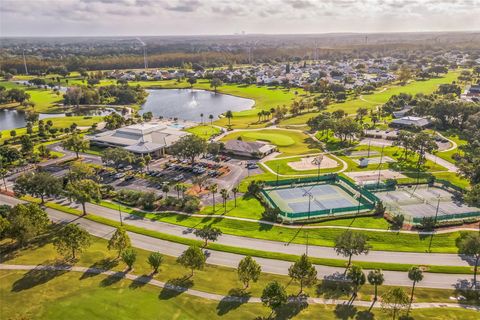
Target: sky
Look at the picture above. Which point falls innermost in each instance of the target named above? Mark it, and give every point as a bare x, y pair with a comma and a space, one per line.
212, 17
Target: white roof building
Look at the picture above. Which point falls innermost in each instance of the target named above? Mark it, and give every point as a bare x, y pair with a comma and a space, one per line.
144, 138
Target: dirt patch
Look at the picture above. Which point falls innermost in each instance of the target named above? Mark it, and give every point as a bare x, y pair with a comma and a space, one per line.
310, 163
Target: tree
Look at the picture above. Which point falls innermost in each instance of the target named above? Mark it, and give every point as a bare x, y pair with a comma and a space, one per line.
224, 194
351, 243
404, 75
71, 240
213, 189
394, 301
357, 277
43, 151
416, 275
192, 81
76, 143
235, 191
248, 270
274, 296
211, 118
469, 244
147, 116
208, 233
39, 184
189, 147
147, 158
129, 256
304, 272
375, 278
26, 145
13, 133
229, 116
27, 221
81, 170
84, 191
117, 157
155, 260
215, 83
192, 258
165, 190
119, 241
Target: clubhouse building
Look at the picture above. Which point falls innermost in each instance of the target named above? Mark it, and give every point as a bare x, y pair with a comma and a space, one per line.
151, 138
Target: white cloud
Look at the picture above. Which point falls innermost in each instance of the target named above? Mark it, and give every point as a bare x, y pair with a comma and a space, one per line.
170, 17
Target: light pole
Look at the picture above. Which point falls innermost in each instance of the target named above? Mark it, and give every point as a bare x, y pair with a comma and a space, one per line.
434, 223
310, 196
120, 213
319, 162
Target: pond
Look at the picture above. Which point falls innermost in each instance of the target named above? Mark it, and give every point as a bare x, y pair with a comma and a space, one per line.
187, 104
12, 119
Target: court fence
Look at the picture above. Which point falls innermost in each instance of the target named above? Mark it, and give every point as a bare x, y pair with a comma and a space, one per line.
366, 199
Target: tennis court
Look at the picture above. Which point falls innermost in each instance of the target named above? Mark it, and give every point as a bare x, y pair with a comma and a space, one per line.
323, 197
422, 201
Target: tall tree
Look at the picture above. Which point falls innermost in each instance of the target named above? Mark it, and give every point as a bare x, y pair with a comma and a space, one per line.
84, 191
119, 241
208, 233
224, 194
215, 83
248, 270
274, 296
304, 272
416, 275
213, 189
235, 191
229, 116
357, 277
189, 147
469, 244
129, 256
27, 221
39, 184
76, 143
192, 258
71, 240
155, 260
375, 278
351, 243
394, 301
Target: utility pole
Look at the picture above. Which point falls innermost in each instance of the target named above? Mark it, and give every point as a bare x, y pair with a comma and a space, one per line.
25, 62
380, 167
120, 213
319, 162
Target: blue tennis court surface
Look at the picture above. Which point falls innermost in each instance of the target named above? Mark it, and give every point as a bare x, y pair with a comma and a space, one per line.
323, 197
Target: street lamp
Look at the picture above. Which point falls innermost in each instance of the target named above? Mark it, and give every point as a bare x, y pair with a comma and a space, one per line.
120, 213
310, 197
319, 160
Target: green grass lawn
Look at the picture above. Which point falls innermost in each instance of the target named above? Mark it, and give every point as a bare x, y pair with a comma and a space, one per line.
204, 131
288, 142
69, 296
448, 155
53, 295
379, 97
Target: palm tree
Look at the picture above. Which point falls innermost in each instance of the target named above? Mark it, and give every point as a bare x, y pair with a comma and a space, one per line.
229, 116
178, 188
213, 189
259, 114
375, 278
224, 194
165, 189
201, 116
211, 118
235, 191
416, 275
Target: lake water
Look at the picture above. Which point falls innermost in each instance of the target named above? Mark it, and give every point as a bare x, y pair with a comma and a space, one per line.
183, 104
187, 104
12, 119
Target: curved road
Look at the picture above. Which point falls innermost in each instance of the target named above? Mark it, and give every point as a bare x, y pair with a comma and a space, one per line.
431, 280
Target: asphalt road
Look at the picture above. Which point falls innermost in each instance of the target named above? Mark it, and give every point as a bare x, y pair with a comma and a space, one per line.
431, 280
273, 246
